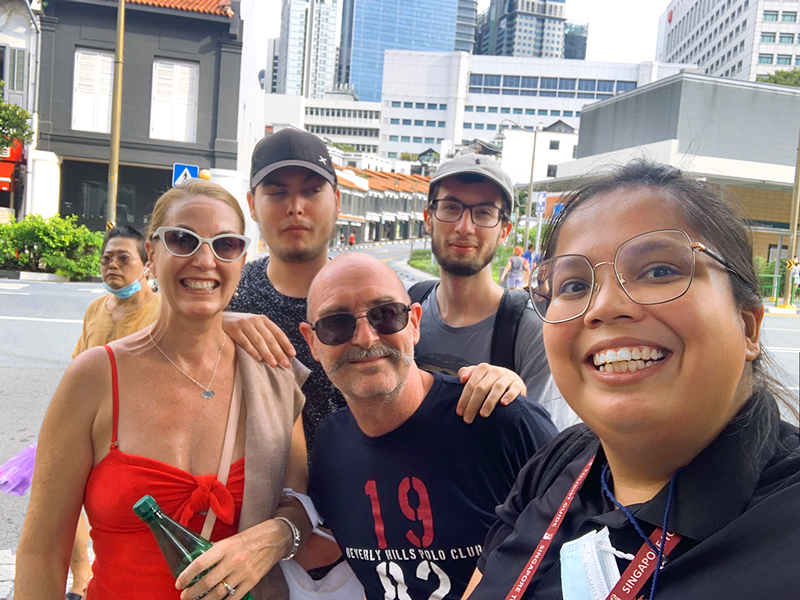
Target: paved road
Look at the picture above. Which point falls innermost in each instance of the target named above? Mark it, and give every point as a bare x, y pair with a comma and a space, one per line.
41, 322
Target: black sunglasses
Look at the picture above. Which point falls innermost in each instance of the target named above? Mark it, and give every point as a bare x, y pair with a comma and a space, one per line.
340, 328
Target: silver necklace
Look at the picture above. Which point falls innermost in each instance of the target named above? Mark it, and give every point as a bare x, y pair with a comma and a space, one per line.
208, 393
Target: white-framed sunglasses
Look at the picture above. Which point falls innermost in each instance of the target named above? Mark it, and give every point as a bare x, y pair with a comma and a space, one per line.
183, 242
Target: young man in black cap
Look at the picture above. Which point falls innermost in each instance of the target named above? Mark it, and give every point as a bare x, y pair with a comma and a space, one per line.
294, 198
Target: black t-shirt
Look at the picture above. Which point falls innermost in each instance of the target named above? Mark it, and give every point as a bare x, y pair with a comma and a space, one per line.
410, 508
258, 296
736, 506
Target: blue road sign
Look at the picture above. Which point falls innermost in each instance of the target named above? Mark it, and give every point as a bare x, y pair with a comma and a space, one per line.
183, 173
541, 203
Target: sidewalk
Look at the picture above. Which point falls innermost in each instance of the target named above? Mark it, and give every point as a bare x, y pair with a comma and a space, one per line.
7, 564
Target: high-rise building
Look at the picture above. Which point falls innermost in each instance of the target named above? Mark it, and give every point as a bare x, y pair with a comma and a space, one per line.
740, 39
271, 75
466, 17
523, 28
307, 48
369, 27
575, 37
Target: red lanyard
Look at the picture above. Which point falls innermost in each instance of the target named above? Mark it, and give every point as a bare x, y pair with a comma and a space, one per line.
634, 576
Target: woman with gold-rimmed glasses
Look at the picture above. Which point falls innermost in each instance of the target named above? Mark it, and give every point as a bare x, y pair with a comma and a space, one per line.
684, 481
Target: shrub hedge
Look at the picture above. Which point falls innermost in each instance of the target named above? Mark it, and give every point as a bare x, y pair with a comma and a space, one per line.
52, 245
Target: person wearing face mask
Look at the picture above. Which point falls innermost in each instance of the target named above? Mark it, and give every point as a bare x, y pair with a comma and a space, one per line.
129, 306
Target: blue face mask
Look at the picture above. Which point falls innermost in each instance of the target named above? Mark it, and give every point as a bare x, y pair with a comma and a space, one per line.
588, 568
124, 292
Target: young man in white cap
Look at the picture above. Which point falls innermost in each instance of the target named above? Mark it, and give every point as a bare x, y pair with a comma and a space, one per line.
466, 317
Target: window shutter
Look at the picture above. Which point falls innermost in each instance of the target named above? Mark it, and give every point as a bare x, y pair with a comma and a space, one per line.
92, 91
84, 96
106, 96
16, 71
173, 114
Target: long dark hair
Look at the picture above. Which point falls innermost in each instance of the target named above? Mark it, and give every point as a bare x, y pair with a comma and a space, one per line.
715, 215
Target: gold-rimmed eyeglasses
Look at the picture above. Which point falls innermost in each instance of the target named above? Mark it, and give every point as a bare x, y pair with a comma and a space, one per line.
652, 268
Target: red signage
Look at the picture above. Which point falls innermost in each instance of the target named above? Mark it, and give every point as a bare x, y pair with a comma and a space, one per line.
669, 17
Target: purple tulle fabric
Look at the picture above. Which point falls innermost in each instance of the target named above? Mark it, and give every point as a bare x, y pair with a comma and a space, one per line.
17, 472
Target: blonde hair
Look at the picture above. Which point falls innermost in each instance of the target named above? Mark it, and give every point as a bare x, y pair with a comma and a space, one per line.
517, 250
195, 187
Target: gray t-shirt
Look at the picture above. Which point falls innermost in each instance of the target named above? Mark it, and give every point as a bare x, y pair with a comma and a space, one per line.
446, 349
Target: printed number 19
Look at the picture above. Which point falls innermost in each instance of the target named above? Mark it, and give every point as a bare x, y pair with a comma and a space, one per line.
423, 512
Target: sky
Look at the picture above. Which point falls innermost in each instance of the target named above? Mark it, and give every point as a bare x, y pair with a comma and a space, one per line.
619, 30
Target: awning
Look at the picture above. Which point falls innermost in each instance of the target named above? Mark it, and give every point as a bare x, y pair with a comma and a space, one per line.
389, 216
350, 220
373, 216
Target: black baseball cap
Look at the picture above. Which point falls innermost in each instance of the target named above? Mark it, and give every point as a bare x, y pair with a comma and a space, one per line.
291, 148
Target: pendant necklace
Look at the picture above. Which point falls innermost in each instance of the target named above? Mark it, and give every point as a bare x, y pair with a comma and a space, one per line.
208, 393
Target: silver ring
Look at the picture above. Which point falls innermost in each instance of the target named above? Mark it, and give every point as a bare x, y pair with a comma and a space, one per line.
231, 591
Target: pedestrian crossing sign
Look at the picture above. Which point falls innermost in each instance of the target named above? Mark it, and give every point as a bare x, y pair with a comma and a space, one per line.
183, 173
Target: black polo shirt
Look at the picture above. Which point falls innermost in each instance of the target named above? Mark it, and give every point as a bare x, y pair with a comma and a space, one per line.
736, 506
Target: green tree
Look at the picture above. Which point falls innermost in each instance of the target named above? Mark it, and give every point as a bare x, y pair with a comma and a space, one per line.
791, 77
53, 245
14, 124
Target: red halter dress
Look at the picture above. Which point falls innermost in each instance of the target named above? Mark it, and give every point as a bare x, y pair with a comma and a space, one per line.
128, 563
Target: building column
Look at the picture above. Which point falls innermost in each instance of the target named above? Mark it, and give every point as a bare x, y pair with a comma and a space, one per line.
45, 184
225, 141
46, 62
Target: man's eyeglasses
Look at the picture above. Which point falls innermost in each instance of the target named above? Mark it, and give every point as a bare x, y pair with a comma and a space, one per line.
182, 242
337, 329
651, 268
483, 215
122, 259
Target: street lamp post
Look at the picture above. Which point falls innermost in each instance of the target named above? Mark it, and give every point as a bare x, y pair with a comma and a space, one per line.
499, 138
795, 211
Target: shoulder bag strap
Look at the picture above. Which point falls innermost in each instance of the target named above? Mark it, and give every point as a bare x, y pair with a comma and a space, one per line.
419, 291
504, 336
227, 449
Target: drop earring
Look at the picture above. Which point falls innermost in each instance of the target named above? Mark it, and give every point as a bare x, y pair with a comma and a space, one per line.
154, 285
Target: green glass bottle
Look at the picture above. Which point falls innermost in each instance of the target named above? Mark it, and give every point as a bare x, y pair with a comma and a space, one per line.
179, 545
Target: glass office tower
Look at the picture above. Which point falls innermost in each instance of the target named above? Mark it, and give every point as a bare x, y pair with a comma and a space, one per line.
369, 27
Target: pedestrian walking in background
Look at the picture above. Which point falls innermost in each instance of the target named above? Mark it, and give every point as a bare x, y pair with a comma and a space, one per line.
516, 269
352, 238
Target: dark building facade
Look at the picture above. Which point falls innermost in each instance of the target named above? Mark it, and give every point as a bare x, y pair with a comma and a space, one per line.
179, 104
575, 38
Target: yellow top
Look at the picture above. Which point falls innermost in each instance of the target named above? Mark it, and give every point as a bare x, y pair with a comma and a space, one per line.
99, 329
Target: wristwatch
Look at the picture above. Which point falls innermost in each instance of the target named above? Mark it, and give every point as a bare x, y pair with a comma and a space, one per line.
295, 538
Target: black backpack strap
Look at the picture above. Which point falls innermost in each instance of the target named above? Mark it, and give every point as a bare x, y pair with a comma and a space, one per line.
506, 324
421, 290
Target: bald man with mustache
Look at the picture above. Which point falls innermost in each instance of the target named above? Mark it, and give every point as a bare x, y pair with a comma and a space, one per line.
407, 488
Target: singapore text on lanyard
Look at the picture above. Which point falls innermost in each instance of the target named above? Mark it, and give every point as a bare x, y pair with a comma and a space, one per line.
634, 577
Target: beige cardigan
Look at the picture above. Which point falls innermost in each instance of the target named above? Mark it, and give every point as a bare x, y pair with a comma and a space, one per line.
273, 401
